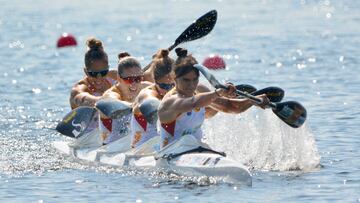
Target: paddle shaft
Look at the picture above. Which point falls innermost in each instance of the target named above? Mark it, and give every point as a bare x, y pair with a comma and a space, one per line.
172, 46
247, 95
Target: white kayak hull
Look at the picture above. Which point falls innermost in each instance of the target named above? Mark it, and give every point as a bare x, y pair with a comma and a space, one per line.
209, 164
189, 164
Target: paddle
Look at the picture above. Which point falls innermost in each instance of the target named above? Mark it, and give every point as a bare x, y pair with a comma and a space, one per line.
246, 88
200, 28
76, 121
149, 109
291, 112
113, 108
275, 94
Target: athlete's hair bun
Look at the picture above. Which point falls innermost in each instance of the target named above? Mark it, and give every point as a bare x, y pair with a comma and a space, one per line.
181, 52
164, 53
123, 55
93, 44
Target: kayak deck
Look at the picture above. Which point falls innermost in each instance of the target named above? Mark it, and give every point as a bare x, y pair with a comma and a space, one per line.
189, 164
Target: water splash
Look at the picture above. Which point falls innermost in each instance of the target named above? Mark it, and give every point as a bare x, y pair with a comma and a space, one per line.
27, 149
263, 142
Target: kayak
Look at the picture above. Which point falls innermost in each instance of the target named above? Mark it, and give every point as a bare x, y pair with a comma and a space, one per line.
195, 159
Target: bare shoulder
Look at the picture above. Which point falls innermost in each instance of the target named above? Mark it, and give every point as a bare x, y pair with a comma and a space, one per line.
145, 84
167, 108
144, 93
148, 75
80, 86
169, 102
111, 93
202, 88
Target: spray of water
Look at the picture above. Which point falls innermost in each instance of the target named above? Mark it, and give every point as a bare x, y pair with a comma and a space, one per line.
261, 141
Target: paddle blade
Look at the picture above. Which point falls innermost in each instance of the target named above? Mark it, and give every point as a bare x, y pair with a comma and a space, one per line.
198, 29
275, 94
246, 88
149, 109
291, 112
113, 108
76, 121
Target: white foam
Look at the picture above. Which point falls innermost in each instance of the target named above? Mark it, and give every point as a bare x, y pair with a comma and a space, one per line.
262, 141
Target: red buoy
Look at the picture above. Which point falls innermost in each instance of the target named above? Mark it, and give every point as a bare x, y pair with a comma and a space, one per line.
214, 62
66, 40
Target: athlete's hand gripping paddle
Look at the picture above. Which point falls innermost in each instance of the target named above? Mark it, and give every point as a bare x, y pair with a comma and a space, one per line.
291, 112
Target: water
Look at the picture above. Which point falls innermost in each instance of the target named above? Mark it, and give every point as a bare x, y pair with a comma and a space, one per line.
309, 48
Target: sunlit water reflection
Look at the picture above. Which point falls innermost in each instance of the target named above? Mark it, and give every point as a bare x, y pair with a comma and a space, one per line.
308, 48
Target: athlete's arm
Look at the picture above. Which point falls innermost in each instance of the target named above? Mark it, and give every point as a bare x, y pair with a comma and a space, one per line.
174, 105
229, 105
144, 94
209, 111
80, 96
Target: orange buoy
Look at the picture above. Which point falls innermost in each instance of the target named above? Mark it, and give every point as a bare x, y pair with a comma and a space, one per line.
66, 40
214, 62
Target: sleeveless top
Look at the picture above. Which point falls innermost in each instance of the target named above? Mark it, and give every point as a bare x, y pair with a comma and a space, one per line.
141, 130
115, 128
186, 124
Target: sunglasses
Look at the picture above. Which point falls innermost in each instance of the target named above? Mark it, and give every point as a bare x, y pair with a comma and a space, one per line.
98, 74
166, 86
132, 79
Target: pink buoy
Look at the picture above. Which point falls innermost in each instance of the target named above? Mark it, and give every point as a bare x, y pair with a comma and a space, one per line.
214, 62
66, 40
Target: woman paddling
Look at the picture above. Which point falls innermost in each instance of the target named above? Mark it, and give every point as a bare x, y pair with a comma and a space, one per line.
182, 110
98, 77
161, 66
129, 83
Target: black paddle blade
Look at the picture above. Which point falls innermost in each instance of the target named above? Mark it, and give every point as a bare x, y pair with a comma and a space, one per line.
275, 94
291, 112
198, 29
76, 121
246, 88
113, 108
149, 109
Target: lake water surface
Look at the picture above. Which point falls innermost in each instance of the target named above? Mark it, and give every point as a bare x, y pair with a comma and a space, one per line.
309, 48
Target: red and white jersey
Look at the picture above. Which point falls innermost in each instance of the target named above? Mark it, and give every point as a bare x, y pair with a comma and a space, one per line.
114, 129
188, 124
141, 130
